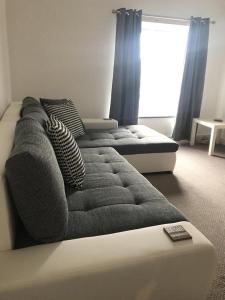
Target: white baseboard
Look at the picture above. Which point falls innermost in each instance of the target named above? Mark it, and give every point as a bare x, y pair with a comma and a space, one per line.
152, 162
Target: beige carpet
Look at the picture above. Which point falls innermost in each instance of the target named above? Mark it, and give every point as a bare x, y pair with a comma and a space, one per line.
197, 188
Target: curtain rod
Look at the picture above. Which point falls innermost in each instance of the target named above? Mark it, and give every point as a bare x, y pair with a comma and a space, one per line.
115, 11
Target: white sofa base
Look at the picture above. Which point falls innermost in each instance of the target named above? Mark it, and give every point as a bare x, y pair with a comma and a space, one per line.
153, 162
139, 264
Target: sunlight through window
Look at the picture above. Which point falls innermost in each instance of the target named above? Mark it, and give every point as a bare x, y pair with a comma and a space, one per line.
163, 50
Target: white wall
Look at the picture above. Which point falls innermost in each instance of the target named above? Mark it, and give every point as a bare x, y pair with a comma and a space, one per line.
221, 102
65, 48
5, 93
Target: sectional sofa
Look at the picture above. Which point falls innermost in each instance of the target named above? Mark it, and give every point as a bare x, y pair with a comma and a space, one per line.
104, 242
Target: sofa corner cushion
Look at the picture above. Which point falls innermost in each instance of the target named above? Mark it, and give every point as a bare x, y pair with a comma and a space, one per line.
31, 108
36, 184
28, 101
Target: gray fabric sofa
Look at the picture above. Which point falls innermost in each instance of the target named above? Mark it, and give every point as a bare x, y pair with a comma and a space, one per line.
115, 196
140, 263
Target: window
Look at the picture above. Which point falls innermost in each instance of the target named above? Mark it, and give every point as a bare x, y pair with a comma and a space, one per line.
163, 49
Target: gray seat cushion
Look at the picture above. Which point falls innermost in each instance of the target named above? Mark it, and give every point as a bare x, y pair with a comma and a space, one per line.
135, 139
115, 197
36, 184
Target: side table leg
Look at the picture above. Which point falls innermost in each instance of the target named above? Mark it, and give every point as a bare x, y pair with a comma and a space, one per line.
193, 132
212, 141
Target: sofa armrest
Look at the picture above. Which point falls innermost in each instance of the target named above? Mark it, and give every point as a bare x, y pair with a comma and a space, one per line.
12, 112
100, 123
138, 264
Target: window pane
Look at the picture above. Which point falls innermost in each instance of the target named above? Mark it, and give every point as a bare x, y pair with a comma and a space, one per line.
163, 48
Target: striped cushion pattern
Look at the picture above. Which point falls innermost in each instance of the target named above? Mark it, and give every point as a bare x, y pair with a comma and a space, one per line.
66, 112
67, 152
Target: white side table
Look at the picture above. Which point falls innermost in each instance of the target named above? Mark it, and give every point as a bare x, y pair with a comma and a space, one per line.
214, 129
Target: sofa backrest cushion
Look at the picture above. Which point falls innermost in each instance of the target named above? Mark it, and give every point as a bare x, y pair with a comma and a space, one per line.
29, 101
33, 109
36, 184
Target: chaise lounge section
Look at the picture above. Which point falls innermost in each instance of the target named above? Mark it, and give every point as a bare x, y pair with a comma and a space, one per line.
146, 149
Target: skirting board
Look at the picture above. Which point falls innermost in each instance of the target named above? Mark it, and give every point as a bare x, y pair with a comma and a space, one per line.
152, 162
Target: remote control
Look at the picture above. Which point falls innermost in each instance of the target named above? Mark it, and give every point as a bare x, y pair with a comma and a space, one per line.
177, 233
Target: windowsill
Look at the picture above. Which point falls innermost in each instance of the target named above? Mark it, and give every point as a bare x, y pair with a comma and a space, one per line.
158, 117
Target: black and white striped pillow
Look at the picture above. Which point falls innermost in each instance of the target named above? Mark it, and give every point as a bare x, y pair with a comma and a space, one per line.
66, 112
67, 152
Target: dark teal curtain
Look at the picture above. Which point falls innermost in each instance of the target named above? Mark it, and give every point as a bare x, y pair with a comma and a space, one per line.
193, 78
126, 74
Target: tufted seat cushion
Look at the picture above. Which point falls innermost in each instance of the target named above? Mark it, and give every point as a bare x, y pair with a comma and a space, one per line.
115, 197
135, 139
